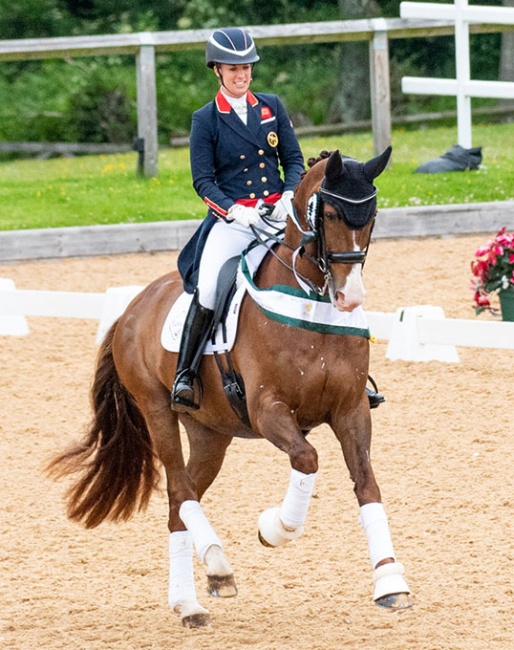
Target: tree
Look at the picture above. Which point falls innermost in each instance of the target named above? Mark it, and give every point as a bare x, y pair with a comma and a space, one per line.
351, 101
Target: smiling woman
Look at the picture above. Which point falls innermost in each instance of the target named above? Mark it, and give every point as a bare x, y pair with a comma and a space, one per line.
244, 153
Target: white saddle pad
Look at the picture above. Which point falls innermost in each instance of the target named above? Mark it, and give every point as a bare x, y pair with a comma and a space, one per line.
174, 324
172, 329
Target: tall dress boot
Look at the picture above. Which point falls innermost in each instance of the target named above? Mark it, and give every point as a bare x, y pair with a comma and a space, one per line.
194, 337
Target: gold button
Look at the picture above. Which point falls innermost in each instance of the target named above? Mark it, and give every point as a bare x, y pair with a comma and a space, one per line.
266, 193
252, 195
262, 165
264, 179
242, 156
249, 182
261, 152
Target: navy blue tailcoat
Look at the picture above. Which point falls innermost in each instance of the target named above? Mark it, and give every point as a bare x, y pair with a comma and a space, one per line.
232, 161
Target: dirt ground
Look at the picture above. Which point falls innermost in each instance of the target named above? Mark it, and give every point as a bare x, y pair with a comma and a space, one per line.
442, 453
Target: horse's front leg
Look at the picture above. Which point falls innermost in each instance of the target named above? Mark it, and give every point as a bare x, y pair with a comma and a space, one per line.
280, 525
354, 434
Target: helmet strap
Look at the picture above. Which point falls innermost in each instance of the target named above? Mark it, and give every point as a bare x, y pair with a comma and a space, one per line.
219, 75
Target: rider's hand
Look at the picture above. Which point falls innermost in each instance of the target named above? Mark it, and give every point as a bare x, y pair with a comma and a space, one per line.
243, 215
283, 207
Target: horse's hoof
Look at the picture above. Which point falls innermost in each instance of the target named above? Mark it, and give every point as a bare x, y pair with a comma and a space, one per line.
192, 614
272, 532
264, 542
394, 602
195, 621
222, 586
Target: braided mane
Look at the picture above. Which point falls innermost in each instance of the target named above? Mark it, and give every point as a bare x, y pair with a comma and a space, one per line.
312, 161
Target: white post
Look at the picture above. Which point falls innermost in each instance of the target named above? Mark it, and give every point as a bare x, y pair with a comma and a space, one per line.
462, 87
463, 74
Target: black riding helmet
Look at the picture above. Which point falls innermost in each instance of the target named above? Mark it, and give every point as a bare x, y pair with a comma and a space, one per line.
232, 45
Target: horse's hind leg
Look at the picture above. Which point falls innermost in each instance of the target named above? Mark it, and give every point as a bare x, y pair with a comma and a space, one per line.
354, 434
206, 455
164, 429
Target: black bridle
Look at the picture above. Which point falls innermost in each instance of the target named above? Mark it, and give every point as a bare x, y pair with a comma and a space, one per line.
324, 258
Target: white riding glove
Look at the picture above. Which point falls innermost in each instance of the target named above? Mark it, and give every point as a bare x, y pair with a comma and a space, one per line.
243, 215
283, 207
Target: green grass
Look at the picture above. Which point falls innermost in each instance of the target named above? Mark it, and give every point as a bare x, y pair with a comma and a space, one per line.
90, 190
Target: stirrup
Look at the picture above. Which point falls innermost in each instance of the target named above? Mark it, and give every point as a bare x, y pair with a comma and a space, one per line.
375, 398
180, 403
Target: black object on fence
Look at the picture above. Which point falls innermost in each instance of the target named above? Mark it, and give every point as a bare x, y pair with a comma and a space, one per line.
456, 159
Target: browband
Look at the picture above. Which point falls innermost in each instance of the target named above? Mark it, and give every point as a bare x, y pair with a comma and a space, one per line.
348, 200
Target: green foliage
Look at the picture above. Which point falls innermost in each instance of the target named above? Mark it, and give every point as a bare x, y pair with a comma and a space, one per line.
93, 99
105, 189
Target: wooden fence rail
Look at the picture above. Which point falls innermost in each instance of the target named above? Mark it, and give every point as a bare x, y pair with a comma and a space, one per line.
144, 45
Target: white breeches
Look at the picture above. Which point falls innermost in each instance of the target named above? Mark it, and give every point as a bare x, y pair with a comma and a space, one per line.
224, 241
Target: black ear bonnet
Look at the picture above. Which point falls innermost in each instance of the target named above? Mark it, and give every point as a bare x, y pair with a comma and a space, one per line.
351, 193
348, 188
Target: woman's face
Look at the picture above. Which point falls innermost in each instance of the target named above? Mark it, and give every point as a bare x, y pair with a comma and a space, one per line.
236, 79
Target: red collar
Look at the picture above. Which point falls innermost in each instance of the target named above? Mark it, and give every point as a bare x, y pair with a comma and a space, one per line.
224, 106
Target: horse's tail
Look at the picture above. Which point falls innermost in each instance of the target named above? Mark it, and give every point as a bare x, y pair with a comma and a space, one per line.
115, 461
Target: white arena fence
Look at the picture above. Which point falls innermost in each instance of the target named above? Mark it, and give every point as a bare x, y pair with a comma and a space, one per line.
420, 333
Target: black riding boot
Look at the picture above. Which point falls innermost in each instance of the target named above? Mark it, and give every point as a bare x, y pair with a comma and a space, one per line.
375, 398
194, 338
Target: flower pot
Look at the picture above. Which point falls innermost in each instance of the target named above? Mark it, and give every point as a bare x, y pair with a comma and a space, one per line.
507, 304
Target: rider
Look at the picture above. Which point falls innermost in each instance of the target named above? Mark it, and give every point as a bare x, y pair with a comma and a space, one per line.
239, 143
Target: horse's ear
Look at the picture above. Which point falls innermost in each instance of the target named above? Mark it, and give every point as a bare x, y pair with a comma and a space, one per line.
376, 166
334, 167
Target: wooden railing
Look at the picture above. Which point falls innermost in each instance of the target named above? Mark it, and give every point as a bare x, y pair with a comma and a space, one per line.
377, 31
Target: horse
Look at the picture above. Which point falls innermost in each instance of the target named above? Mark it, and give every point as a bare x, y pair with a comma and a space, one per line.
134, 432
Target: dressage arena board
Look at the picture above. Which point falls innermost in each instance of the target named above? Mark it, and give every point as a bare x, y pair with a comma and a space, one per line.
442, 452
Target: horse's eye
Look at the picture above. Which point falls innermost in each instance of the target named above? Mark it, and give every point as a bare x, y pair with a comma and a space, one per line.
330, 214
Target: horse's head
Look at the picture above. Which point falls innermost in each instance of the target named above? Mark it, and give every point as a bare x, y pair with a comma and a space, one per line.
336, 202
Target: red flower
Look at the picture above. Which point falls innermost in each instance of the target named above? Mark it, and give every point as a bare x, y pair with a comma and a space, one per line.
492, 269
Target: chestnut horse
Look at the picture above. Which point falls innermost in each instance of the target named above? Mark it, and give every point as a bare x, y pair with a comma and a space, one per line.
295, 379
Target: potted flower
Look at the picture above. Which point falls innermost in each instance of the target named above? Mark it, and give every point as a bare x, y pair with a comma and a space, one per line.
493, 272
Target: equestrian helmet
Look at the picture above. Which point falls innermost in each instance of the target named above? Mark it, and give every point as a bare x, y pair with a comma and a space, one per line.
232, 46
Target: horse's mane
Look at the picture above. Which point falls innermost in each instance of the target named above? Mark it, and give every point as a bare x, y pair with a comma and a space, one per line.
312, 161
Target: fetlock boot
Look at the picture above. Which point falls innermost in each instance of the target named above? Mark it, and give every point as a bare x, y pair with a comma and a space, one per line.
194, 337
375, 398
